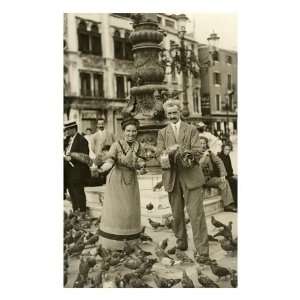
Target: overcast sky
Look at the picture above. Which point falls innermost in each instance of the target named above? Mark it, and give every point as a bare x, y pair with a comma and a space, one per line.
225, 25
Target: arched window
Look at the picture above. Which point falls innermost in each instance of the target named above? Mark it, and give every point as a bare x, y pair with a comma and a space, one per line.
96, 45
83, 37
118, 45
122, 46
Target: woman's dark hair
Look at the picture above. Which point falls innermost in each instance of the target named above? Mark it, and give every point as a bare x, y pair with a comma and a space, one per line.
129, 120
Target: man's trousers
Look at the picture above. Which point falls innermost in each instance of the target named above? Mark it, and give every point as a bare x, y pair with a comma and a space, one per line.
193, 200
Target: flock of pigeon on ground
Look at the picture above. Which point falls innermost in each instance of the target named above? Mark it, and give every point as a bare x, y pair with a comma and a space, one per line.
132, 266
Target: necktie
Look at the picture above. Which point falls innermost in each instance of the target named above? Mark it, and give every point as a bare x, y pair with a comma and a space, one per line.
176, 132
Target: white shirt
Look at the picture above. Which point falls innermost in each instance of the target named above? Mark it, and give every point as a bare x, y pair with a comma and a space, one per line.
176, 128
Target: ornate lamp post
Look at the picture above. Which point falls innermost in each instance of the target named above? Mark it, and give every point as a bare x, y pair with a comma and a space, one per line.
183, 59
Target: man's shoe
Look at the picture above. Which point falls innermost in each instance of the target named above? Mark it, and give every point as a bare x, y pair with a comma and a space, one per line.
230, 208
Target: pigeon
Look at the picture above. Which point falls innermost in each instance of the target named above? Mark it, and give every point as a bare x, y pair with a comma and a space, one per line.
205, 281
101, 251
218, 270
216, 223
91, 241
133, 263
127, 248
145, 238
136, 282
84, 267
160, 253
164, 282
169, 223
154, 224
163, 244
227, 245
180, 255
186, 281
172, 251
142, 253
91, 261
76, 249
226, 231
158, 186
233, 279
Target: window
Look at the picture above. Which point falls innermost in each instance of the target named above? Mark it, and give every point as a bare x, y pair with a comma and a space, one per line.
120, 86
217, 78
229, 59
91, 84
98, 85
218, 103
85, 81
95, 40
170, 23
229, 83
89, 41
83, 38
159, 20
122, 46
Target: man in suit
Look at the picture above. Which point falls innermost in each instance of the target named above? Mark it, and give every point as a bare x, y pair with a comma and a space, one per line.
101, 138
76, 173
184, 185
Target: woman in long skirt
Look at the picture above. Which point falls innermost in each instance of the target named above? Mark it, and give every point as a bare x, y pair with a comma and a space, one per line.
121, 214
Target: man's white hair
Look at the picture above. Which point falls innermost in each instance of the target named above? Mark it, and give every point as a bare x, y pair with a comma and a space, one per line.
172, 103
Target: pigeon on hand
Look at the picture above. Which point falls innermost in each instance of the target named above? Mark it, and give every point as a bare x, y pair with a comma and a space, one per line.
163, 244
216, 223
205, 281
154, 224
218, 270
180, 255
233, 279
162, 282
186, 281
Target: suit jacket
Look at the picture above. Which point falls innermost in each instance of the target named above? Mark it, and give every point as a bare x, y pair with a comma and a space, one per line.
79, 174
188, 138
101, 139
227, 163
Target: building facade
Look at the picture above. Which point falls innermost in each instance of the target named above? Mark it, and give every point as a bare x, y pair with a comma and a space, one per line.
97, 66
219, 90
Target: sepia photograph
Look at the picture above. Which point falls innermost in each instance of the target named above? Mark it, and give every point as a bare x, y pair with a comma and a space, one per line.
150, 127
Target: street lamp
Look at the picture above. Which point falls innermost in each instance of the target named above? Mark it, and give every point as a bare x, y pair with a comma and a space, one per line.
183, 59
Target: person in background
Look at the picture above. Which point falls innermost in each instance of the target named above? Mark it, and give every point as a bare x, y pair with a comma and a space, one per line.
88, 136
76, 173
215, 174
214, 142
231, 177
101, 138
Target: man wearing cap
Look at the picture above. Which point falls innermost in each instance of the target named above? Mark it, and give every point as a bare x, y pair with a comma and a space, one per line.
76, 173
101, 138
183, 184
214, 143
